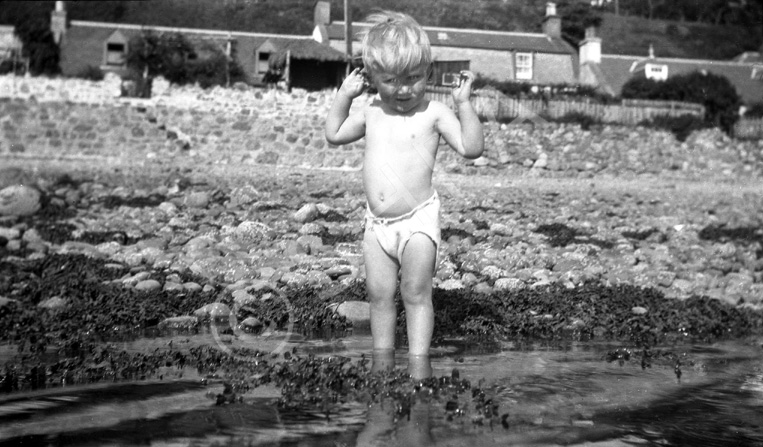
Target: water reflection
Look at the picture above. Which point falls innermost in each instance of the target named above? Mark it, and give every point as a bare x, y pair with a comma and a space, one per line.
388, 423
547, 395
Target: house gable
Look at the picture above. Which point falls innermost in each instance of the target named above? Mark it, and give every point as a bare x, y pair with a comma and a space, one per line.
115, 49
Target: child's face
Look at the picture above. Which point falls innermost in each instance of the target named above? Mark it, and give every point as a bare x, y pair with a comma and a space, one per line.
402, 92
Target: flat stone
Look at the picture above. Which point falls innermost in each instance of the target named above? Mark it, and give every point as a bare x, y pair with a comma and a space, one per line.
508, 284
148, 285
213, 311
52, 303
638, 310
452, 284
183, 322
192, 286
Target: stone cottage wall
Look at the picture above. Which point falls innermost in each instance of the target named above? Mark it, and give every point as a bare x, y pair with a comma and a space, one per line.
65, 118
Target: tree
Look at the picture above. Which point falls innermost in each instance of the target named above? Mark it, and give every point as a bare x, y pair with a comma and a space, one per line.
576, 17
39, 46
172, 56
151, 54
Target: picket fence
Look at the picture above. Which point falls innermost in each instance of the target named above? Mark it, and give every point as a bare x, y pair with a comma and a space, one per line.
495, 106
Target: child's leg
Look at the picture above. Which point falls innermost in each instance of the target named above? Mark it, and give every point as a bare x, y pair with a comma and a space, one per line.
416, 289
381, 284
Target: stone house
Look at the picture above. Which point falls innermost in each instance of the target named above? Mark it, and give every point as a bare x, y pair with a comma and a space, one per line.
103, 45
319, 61
609, 72
538, 58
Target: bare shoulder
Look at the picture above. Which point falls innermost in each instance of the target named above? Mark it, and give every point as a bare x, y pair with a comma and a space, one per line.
440, 112
439, 108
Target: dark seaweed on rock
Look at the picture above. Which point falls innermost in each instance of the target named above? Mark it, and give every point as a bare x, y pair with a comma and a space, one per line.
95, 308
720, 233
152, 200
561, 235
590, 311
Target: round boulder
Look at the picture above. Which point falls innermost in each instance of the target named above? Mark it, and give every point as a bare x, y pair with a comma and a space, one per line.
19, 200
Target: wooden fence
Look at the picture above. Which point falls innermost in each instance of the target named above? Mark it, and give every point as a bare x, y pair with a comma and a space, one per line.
749, 128
495, 106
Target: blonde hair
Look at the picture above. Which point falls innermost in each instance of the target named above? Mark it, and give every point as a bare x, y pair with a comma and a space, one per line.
395, 44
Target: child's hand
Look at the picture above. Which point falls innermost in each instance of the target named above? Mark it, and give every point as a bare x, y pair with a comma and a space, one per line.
354, 84
462, 89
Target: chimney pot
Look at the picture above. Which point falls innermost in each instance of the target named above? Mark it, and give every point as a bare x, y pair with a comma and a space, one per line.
550, 9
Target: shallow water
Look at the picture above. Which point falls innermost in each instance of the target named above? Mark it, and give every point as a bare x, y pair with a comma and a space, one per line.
561, 394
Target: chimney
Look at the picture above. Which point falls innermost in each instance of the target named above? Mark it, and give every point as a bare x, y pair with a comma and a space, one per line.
58, 22
322, 13
552, 24
590, 47
321, 19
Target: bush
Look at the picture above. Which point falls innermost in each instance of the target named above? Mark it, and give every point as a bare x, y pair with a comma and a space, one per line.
681, 126
715, 92
755, 111
514, 89
91, 73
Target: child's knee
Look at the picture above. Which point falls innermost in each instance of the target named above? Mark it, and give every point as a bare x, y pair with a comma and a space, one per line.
380, 291
416, 292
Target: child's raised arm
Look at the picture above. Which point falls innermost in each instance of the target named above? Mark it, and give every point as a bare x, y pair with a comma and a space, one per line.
463, 133
341, 127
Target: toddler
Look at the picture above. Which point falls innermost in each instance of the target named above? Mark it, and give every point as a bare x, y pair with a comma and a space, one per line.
402, 130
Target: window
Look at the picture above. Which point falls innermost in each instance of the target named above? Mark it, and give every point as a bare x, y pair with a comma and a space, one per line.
263, 62
449, 78
656, 72
757, 73
445, 72
115, 53
523, 63
115, 50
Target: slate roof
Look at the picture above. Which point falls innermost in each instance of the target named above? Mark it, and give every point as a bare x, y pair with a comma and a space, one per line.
469, 38
302, 47
618, 69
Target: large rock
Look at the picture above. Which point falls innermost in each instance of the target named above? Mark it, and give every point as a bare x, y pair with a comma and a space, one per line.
19, 200
358, 312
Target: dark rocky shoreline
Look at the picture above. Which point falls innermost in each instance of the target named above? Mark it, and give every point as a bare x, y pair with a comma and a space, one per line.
644, 262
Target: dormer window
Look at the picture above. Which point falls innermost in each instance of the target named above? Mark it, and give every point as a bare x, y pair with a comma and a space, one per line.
757, 73
657, 72
523, 66
115, 50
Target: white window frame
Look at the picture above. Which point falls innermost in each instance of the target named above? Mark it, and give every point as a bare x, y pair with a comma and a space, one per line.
450, 78
757, 73
113, 58
523, 66
657, 72
263, 62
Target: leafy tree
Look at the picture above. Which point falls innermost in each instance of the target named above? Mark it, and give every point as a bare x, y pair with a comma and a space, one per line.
576, 17
39, 46
174, 57
152, 54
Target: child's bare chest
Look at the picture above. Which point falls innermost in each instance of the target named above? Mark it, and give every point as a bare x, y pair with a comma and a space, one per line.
401, 132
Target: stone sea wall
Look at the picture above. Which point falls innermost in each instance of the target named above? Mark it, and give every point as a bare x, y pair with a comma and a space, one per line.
69, 118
